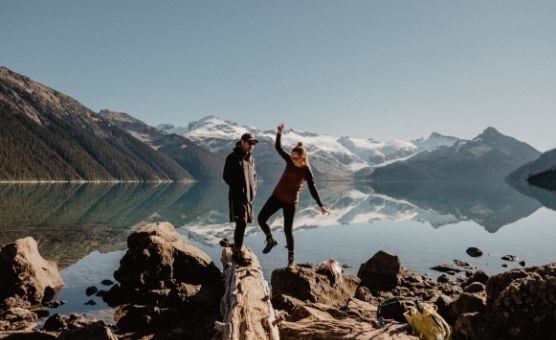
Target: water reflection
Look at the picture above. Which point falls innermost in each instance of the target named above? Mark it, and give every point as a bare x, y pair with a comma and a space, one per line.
491, 204
70, 221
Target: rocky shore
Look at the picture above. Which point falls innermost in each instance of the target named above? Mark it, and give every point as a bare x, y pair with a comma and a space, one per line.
169, 289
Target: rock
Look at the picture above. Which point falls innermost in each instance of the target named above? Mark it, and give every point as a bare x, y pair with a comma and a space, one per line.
17, 318
442, 303
303, 282
14, 302
28, 335
25, 274
447, 268
78, 327
92, 331
55, 323
91, 290
478, 276
90, 303
101, 293
461, 263
164, 283
107, 282
443, 279
521, 303
466, 303
474, 252
158, 258
522, 263
504, 265
474, 287
42, 312
380, 272
364, 294
469, 326
53, 304
509, 258
139, 318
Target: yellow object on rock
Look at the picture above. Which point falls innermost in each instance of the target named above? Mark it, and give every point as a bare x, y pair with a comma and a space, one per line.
427, 323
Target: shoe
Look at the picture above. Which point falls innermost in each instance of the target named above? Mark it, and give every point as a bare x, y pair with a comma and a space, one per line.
270, 243
239, 259
291, 260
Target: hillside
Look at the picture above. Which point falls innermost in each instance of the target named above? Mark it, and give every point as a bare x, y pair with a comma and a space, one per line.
47, 135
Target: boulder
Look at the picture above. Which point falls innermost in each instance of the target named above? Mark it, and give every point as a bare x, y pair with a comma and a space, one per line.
478, 276
158, 261
132, 318
380, 272
521, 303
91, 290
474, 252
467, 303
165, 286
25, 274
305, 283
469, 326
474, 287
17, 318
95, 330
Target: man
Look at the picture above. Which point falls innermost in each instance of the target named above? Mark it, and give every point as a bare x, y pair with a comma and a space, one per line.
240, 175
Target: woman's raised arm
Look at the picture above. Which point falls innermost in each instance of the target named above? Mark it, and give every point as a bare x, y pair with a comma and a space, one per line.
278, 143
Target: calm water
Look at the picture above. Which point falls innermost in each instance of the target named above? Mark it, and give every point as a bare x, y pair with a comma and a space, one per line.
84, 227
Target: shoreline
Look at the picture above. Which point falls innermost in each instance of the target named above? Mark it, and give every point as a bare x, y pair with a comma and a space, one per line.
94, 181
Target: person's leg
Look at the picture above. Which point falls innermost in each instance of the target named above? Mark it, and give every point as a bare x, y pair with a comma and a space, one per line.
241, 223
270, 208
289, 213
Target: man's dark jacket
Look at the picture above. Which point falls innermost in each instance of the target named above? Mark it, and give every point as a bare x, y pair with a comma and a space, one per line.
240, 175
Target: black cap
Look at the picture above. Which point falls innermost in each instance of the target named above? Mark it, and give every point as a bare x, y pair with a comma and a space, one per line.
249, 138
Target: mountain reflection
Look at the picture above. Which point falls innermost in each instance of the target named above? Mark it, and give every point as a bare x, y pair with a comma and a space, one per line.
491, 204
70, 220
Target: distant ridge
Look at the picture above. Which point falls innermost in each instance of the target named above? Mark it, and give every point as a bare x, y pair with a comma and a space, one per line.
490, 155
200, 162
48, 136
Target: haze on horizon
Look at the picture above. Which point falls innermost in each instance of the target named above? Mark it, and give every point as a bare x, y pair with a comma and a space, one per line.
387, 70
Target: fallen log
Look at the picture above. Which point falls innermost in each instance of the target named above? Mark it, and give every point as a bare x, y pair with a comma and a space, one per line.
246, 308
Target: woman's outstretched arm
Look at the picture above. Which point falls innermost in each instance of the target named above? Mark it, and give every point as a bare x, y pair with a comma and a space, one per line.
313, 187
278, 144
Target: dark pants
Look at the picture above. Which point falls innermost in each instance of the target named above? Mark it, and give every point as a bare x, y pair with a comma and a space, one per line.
241, 214
239, 232
271, 206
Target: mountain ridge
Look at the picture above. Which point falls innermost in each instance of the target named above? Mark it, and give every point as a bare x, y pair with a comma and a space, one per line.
48, 136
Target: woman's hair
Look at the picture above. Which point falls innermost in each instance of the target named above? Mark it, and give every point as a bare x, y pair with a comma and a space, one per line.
300, 149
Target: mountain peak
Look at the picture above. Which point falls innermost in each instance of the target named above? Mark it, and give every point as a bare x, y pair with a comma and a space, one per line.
118, 116
490, 132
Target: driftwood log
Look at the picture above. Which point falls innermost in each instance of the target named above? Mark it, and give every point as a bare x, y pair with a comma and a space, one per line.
246, 308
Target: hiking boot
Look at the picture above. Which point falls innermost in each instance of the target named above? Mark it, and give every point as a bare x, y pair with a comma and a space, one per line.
290, 260
270, 243
239, 259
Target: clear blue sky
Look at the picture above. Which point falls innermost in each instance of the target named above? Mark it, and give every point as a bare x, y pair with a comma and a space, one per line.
382, 69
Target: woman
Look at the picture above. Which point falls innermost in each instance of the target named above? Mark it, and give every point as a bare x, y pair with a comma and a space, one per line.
286, 194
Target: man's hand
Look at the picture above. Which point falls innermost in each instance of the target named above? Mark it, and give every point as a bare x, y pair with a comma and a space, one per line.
280, 128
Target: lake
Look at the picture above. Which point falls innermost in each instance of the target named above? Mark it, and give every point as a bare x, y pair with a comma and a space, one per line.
84, 227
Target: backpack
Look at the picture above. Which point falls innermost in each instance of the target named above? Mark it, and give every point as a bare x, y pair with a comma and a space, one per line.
427, 323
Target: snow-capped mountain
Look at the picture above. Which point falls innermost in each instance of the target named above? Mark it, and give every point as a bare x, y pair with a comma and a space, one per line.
331, 157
